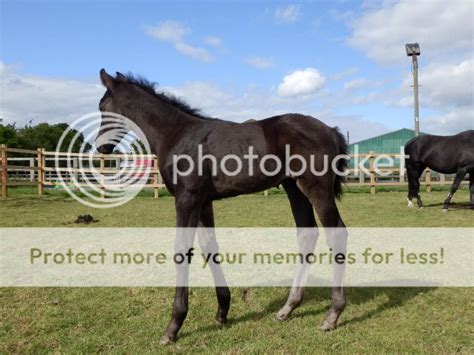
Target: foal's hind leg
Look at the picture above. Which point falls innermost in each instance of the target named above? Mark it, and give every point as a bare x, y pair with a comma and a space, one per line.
209, 246
336, 234
307, 235
457, 181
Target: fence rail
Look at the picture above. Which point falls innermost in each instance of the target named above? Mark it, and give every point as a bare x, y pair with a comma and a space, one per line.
38, 173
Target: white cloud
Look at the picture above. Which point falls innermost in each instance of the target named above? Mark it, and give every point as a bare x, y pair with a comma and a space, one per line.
260, 62
3, 68
345, 73
357, 84
287, 14
213, 41
440, 29
301, 82
443, 86
447, 85
175, 32
40, 99
169, 31
452, 122
194, 52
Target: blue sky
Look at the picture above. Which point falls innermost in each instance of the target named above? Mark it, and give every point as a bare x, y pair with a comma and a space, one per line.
341, 61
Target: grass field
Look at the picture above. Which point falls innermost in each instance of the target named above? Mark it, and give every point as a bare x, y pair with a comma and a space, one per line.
131, 319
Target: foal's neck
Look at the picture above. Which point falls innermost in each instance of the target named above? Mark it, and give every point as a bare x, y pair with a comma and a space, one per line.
161, 122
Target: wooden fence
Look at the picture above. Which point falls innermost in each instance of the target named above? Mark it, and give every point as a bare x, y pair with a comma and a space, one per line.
41, 174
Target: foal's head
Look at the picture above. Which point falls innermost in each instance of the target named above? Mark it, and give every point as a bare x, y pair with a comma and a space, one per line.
121, 98
135, 98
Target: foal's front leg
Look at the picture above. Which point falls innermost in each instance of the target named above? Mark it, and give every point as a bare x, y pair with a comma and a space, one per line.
187, 217
209, 246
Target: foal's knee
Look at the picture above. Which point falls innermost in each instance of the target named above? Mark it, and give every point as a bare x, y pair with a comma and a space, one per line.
337, 240
223, 295
180, 311
307, 238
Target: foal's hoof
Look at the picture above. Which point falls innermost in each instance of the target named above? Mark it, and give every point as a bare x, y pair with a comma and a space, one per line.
445, 210
165, 340
221, 321
326, 326
282, 316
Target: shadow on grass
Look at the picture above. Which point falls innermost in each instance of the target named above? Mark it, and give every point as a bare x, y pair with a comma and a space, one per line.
453, 205
396, 297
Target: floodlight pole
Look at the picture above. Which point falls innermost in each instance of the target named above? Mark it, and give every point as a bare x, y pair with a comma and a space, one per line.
415, 92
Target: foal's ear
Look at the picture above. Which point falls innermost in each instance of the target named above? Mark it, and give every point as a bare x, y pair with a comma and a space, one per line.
107, 80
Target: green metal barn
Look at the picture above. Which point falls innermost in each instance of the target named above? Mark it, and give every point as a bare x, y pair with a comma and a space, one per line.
388, 143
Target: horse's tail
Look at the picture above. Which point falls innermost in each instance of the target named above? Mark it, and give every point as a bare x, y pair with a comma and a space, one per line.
342, 163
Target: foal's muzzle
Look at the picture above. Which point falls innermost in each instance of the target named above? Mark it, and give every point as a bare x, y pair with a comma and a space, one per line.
106, 148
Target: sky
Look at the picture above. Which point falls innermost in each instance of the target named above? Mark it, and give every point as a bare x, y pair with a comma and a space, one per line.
343, 62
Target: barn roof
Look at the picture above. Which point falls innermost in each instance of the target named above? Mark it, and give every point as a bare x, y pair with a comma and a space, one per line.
385, 143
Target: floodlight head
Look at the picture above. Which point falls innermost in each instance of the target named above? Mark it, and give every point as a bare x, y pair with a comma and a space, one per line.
412, 49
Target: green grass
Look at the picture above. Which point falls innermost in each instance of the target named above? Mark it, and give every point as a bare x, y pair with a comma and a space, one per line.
383, 209
131, 319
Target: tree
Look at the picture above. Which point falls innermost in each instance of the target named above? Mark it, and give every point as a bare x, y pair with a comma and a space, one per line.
8, 135
42, 135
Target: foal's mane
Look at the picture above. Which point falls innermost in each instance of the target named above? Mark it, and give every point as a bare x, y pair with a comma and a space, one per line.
150, 87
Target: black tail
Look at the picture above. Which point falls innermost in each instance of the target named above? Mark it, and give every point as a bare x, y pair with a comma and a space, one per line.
342, 164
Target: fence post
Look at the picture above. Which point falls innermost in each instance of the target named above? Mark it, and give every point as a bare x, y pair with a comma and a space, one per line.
75, 166
43, 172
372, 172
3, 152
402, 165
39, 158
428, 180
32, 171
155, 176
442, 179
101, 172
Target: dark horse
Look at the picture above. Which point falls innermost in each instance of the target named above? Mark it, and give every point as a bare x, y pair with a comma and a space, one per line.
444, 154
173, 129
